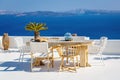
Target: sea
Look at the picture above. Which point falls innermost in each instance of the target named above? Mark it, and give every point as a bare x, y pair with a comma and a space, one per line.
93, 26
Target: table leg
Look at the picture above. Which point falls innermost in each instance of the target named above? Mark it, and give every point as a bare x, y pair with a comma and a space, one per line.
84, 56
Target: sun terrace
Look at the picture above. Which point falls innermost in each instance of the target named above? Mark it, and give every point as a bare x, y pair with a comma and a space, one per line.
11, 67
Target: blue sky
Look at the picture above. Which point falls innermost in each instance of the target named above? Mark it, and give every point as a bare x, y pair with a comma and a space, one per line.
58, 5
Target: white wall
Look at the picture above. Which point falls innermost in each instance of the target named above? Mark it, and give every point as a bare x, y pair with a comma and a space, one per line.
112, 47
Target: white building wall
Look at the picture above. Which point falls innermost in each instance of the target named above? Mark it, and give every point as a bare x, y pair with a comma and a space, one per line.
112, 47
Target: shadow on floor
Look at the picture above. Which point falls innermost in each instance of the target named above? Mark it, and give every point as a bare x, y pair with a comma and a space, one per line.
15, 66
114, 57
25, 66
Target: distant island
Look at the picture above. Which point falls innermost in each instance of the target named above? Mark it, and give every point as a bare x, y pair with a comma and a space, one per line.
52, 13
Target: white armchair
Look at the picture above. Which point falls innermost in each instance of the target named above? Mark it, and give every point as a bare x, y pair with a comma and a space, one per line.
19, 44
98, 47
25, 50
40, 52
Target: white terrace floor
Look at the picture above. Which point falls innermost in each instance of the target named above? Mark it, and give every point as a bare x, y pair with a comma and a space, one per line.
11, 69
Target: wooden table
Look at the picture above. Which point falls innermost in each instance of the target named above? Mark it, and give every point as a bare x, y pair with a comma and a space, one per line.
84, 49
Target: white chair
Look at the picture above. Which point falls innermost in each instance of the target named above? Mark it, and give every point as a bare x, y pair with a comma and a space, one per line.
19, 41
25, 51
19, 45
40, 52
98, 48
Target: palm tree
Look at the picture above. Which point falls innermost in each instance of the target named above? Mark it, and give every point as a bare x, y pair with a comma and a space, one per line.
36, 27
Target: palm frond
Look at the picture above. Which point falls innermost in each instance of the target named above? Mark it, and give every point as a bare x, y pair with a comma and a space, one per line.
32, 26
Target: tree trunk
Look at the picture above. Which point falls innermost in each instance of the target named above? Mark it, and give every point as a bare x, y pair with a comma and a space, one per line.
36, 35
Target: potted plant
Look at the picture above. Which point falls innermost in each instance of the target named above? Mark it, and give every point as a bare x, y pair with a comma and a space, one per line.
36, 27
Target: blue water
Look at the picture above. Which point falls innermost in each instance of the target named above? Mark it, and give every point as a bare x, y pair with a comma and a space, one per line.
93, 26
